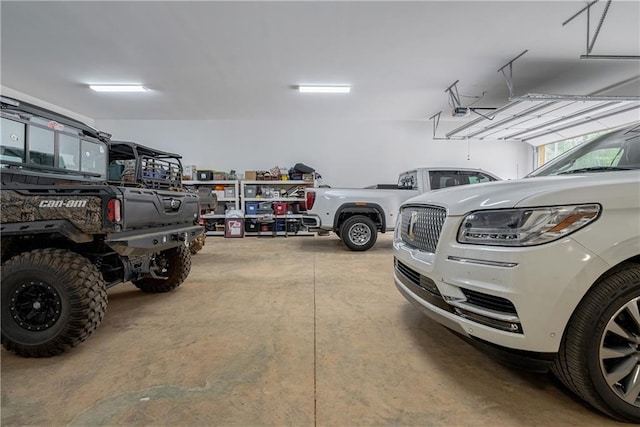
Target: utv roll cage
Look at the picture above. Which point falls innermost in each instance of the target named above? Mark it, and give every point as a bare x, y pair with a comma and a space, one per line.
132, 164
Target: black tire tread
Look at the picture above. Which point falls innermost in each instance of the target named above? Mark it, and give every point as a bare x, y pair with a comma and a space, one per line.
89, 299
570, 366
196, 245
179, 268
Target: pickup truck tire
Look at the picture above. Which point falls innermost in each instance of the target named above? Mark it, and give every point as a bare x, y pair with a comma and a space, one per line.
359, 233
173, 265
600, 351
52, 300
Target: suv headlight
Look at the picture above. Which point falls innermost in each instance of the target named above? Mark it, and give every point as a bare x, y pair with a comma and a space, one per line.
525, 227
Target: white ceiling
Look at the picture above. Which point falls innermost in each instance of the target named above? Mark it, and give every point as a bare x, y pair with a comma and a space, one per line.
240, 60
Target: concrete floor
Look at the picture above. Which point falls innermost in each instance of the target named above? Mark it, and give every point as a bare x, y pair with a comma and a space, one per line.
278, 331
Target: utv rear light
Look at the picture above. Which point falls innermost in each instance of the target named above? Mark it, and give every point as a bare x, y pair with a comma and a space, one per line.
311, 198
113, 210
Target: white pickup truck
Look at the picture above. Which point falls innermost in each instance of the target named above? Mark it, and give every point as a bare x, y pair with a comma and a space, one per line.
544, 272
356, 215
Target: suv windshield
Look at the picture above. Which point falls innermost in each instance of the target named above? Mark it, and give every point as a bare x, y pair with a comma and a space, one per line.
619, 150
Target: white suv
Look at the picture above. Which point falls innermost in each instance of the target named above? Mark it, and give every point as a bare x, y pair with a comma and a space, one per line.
544, 271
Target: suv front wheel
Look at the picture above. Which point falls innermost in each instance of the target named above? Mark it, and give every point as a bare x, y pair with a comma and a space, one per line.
599, 357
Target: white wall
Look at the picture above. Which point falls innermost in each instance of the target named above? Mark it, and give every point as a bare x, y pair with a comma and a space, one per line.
345, 153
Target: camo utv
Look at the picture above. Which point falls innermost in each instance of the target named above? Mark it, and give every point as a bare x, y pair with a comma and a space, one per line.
135, 165
69, 232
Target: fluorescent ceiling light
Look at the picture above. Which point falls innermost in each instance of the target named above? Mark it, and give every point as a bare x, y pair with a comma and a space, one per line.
324, 89
118, 88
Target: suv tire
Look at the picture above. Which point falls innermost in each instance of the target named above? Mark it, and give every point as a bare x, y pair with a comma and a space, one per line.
600, 351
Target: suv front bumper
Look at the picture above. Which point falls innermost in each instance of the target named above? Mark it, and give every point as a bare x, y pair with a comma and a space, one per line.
514, 298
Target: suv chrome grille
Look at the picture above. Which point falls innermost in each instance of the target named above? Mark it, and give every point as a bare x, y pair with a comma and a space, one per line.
421, 226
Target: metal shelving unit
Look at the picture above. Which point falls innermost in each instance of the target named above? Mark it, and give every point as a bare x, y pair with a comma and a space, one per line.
234, 197
229, 195
276, 191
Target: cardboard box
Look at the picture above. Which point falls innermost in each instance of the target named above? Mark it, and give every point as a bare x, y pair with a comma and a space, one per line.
250, 175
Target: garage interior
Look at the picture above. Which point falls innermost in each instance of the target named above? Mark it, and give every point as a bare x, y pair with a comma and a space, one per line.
299, 330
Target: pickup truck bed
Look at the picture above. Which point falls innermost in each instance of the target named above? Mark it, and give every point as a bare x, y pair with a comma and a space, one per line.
356, 215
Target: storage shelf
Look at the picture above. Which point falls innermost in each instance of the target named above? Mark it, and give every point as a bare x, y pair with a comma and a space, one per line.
239, 201
212, 216
276, 182
227, 184
278, 233
215, 182
292, 216
275, 199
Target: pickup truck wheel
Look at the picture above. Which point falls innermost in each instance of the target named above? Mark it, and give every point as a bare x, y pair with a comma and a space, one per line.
173, 267
599, 357
52, 300
359, 233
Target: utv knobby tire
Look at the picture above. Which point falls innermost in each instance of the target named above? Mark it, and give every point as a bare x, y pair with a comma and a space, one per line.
196, 245
578, 363
52, 300
177, 265
358, 233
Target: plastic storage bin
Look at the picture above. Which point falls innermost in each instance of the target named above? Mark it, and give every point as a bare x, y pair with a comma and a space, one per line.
251, 208
234, 223
250, 191
280, 208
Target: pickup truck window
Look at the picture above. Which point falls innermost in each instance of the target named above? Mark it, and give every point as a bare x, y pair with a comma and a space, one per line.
408, 181
444, 179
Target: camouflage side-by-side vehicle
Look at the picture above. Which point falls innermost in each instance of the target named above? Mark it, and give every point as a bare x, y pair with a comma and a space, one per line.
69, 232
135, 165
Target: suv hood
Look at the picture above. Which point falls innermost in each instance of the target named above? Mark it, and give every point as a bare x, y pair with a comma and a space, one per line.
600, 187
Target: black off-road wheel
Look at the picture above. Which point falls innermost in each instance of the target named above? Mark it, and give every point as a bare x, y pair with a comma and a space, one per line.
599, 357
172, 266
359, 233
52, 300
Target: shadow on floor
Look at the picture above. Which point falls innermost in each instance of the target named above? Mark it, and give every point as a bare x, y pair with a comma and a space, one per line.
453, 356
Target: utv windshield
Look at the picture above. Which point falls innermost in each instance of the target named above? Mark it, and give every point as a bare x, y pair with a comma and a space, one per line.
619, 150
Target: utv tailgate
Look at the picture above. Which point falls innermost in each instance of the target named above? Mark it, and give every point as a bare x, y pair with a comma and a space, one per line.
145, 208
